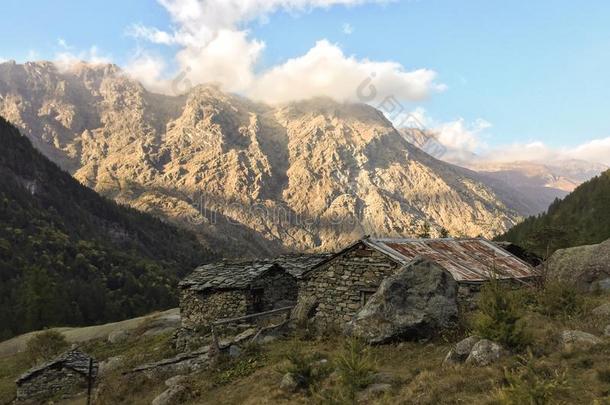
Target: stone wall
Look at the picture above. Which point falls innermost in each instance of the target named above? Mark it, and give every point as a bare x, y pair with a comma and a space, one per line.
201, 308
198, 309
51, 382
279, 290
340, 286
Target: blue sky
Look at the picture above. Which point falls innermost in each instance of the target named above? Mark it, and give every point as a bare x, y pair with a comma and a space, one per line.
536, 71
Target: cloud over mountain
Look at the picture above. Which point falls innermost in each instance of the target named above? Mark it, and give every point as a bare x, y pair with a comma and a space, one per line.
214, 45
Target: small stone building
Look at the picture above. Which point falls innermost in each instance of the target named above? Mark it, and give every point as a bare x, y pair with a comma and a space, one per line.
338, 287
67, 374
230, 289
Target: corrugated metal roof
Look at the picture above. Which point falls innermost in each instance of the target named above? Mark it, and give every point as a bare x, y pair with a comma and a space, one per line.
465, 259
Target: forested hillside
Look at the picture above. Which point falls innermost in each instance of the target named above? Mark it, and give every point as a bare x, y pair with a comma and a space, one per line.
581, 218
69, 256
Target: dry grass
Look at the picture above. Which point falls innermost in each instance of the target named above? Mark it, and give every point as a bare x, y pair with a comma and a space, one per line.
549, 375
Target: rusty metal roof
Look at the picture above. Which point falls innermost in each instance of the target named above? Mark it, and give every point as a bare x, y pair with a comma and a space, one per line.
466, 259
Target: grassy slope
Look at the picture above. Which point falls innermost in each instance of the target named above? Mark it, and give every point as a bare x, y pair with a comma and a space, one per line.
254, 378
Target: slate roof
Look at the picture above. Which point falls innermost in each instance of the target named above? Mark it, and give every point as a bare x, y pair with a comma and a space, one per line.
72, 359
226, 274
466, 259
298, 264
239, 274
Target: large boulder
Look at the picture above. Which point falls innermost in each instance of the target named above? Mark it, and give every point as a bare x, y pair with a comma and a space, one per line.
417, 302
585, 267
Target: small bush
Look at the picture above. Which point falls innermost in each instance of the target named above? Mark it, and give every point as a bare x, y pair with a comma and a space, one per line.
559, 300
604, 375
528, 384
44, 346
306, 367
355, 365
499, 317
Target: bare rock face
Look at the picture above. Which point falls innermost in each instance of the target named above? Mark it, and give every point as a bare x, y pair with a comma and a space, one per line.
585, 267
417, 302
248, 178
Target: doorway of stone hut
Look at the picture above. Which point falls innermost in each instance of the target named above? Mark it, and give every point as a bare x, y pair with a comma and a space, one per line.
257, 300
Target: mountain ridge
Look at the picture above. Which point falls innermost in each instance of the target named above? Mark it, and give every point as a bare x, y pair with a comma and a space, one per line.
310, 176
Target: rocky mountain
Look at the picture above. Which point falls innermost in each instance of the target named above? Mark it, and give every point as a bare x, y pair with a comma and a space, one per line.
70, 257
247, 177
537, 183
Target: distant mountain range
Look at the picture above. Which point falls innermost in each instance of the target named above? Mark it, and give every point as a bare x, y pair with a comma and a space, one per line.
71, 257
248, 178
539, 182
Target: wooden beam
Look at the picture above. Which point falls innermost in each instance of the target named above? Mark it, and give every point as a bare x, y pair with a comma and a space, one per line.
245, 317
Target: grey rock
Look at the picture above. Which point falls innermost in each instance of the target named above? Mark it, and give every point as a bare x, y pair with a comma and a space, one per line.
602, 310
291, 382
234, 351
373, 391
118, 336
182, 364
484, 353
460, 352
607, 330
577, 339
587, 268
171, 396
604, 284
268, 339
175, 380
415, 303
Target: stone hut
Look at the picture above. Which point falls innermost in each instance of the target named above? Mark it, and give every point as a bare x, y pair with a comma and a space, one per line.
337, 288
230, 288
67, 374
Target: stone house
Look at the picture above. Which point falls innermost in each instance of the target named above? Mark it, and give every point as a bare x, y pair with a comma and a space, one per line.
335, 289
67, 374
233, 288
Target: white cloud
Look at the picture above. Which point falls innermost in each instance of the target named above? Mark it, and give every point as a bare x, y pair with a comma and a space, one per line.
216, 47
347, 29
325, 71
228, 59
596, 150
149, 69
465, 142
32, 55
63, 44
65, 60
458, 135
